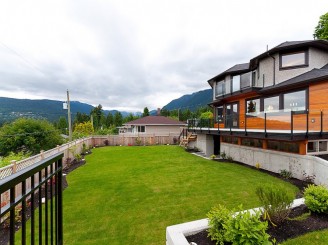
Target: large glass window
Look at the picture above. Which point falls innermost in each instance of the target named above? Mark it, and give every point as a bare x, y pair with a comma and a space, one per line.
219, 88
295, 101
291, 60
271, 104
245, 80
235, 83
253, 107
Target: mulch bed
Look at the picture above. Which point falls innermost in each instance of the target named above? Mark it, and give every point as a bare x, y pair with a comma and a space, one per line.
4, 230
289, 228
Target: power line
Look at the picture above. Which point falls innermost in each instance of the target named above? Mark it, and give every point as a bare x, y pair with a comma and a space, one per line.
33, 66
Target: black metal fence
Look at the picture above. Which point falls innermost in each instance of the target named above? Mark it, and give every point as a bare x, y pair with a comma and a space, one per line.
24, 213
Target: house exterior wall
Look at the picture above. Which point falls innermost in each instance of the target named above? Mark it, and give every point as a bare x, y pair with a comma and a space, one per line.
167, 129
317, 59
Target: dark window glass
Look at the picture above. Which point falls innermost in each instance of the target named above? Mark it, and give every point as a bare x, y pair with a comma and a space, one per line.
283, 146
253, 107
252, 142
141, 129
219, 88
295, 101
245, 80
220, 114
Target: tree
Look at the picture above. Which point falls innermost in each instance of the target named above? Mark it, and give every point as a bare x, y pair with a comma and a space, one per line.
145, 112
28, 135
81, 117
321, 30
97, 113
118, 119
83, 130
206, 115
62, 125
109, 120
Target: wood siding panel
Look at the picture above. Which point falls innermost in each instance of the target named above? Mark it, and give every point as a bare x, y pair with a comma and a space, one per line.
318, 100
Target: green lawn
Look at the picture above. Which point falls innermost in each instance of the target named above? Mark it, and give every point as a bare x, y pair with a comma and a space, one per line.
312, 238
129, 195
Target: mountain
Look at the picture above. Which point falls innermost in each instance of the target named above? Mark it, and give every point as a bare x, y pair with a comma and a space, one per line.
11, 109
191, 101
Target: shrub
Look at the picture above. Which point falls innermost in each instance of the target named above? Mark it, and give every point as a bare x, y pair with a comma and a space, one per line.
78, 157
223, 155
247, 228
276, 202
212, 157
316, 198
285, 174
218, 217
138, 141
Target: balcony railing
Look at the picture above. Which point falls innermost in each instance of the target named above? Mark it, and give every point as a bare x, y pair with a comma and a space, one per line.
280, 121
27, 190
237, 83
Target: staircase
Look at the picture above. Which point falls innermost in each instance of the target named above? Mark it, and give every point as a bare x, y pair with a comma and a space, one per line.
184, 140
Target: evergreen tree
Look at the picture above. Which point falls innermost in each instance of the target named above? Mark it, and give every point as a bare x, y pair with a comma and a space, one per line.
145, 112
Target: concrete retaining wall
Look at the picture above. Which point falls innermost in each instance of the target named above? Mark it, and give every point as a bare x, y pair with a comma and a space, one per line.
301, 166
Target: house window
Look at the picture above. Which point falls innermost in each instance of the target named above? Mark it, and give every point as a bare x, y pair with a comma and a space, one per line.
253, 107
294, 60
245, 80
252, 142
219, 114
295, 101
235, 83
141, 129
228, 86
271, 104
219, 88
283, 146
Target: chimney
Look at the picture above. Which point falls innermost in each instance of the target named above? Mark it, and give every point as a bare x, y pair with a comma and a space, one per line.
158, 111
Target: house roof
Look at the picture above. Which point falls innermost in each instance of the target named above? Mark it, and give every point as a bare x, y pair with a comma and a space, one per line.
155, 120
314, 75
239, 68
292, 45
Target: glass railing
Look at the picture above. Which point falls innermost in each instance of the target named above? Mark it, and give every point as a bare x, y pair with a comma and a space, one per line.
238, 83
296, 121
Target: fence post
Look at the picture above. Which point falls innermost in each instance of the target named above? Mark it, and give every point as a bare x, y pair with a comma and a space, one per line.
42, 154
14, 167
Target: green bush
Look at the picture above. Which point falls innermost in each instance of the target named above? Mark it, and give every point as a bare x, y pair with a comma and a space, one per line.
276, 202
316, 198
246, 228
218, 217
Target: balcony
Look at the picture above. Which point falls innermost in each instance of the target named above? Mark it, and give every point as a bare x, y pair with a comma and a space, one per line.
280, 124
237, 83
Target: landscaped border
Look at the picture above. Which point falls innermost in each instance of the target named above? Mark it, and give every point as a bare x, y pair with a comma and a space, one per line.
176, 234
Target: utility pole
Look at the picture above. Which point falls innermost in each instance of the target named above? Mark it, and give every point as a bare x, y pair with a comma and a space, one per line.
69, 117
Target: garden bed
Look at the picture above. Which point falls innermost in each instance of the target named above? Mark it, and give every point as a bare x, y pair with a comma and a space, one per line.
290, 228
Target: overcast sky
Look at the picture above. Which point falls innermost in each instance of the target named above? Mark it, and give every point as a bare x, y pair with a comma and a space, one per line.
129, 54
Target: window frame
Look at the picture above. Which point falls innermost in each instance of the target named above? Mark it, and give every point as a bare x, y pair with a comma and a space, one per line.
306, 59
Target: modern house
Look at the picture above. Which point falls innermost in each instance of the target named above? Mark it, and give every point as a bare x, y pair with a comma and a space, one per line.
156, 125
278, 101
